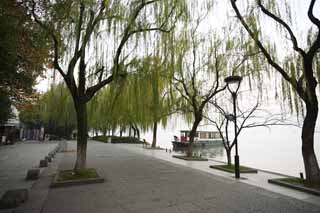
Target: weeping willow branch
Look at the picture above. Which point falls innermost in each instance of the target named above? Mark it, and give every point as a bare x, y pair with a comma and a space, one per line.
285, 25
265, 52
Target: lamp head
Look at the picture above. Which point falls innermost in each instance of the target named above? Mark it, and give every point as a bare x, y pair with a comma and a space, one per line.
233, 83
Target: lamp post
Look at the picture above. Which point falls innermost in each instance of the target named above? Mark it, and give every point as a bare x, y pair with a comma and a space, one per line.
233, 84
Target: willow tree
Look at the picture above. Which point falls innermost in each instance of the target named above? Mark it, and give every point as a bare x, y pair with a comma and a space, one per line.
98, 38
58, 119
198, 74
127, 109
101, 116
158, 100
300, 70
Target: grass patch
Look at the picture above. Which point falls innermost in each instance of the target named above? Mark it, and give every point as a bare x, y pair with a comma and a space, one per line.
294, 180
193, 158
66, 175
231, 169
299, 181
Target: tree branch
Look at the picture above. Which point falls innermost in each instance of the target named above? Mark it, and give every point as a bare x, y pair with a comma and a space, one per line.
285, 25
269, 58
54, 39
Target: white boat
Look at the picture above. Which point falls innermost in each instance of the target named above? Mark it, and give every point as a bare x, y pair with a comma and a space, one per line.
202, 139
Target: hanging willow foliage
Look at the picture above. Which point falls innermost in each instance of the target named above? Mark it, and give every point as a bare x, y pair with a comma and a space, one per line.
57, 111
141, 100
278, 43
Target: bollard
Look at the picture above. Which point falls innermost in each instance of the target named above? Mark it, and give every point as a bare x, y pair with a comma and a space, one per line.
43, 163
13, 198
33, 174
301, 175
48, 159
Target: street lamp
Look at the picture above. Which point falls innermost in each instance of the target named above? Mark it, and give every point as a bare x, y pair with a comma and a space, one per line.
233, 84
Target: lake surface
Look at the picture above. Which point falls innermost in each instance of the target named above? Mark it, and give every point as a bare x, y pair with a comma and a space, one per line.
276, 149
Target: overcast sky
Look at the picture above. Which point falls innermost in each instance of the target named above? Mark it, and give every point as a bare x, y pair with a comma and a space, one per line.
221, 15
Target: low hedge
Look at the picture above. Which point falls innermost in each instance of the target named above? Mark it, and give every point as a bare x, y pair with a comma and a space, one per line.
116, 139
101, 138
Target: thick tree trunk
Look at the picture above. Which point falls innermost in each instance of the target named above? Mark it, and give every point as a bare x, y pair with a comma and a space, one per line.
154, 139
81, 110
228, 152
309, 158
192, 135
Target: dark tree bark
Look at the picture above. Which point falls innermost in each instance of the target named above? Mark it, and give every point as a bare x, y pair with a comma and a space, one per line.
154, 138
309, 157
121, 131
138, 133
113, 130
228, 152
198, 118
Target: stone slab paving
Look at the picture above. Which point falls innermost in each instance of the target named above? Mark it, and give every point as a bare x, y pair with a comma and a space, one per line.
259, 180
15, 160
138, 183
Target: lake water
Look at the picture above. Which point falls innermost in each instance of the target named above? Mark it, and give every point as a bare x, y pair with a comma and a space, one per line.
276, 149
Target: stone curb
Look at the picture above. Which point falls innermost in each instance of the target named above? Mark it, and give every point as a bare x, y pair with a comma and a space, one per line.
293, 186
188, 159
55, 183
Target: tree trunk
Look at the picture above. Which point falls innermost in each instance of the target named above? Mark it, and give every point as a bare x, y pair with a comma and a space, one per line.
228, 152
113, 130
309, 158
81, 111
129, 131
134, 131
121, 131
192, 134
154, 139
138, 133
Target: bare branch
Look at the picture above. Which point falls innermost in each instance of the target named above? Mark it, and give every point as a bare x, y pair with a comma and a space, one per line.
311, 16
285, 25
269, 58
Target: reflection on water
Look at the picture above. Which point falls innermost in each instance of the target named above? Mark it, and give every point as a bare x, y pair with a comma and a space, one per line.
213, 151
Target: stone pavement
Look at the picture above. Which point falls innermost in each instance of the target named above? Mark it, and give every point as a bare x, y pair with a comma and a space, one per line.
259, 180
137, 182
17, 159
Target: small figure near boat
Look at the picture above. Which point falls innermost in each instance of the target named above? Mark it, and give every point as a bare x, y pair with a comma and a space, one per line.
202, 139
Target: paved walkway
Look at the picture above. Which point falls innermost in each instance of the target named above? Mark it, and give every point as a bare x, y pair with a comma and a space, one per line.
259, 180
137, 182
17, 159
